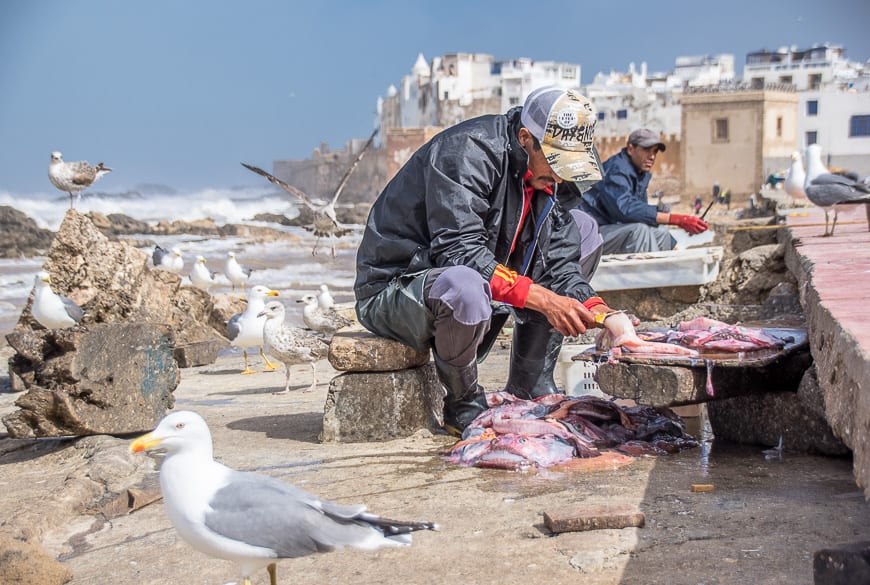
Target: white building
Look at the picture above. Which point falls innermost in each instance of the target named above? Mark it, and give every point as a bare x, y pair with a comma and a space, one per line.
458, 86
806, 69
833, 99
519, 77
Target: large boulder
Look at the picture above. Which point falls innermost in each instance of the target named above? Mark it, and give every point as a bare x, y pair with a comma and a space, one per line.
104, 378
114, 283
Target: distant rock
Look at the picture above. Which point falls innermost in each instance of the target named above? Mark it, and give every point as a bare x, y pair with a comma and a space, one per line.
118, 224
20, 236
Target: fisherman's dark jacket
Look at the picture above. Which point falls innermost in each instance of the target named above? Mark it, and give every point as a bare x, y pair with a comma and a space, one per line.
621, 195
458, 201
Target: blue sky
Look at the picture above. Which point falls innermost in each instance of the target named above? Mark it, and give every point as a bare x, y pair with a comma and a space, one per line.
179, 92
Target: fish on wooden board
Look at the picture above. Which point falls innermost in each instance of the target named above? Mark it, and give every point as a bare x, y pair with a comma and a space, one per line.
710, 335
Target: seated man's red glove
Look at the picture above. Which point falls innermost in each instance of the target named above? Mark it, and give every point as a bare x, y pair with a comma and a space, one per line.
691, 223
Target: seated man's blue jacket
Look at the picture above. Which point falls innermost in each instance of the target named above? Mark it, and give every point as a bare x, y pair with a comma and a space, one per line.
621, 196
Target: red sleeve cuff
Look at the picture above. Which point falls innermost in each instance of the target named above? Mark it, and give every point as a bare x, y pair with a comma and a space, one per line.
509, 287
593, 302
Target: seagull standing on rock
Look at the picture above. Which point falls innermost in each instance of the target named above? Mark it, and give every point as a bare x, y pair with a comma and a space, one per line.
828, 190
252, 519
237, 274
246, 329
52, 310
200, 276
170, 261
290, 345
73, 177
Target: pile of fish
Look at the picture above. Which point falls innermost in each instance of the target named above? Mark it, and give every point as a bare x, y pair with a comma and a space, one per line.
552, 430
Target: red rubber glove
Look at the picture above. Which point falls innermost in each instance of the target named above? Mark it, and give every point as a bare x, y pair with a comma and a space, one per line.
691, 223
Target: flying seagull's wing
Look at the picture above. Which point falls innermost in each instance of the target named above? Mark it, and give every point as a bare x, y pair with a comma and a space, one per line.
289, 188
347, 173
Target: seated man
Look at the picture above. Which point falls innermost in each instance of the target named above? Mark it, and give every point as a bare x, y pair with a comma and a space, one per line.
472, 218
619, 203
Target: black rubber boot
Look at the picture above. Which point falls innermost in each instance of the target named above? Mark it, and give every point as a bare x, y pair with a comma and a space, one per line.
534, 354
465, 398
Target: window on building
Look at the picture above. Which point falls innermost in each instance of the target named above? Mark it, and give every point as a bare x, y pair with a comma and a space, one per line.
815, 80
601, 115
621, 114
720, 130
779, 126
569, 73
859, 125
812, 107
514, 101
812, 137
785, 79
757, 83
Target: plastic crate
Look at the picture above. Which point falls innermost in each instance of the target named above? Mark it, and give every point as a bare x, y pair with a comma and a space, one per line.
577, 377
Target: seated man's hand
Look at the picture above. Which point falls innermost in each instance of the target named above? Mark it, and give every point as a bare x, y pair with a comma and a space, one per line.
691, 223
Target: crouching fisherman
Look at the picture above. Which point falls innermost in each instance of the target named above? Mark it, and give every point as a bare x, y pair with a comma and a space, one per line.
474, 217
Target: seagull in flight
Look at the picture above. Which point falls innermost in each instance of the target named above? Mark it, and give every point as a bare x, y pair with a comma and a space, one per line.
325, 222
73, 177
253, 519
828, 190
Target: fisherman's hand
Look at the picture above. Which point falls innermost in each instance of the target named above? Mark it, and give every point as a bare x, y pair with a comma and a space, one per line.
567, 315
691, 223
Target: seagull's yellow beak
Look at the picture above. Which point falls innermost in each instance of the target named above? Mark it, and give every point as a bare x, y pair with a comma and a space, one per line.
144, 443
272, 293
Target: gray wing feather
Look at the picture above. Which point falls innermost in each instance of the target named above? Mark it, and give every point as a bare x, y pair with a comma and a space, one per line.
263, 511
158, 254
233, 327
74, 311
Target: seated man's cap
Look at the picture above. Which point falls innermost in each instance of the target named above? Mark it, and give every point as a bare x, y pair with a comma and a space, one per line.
563, 121
645, 137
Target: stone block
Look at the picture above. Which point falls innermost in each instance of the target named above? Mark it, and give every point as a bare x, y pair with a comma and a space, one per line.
374, 406
198, 353
593, 517
846, 564
361, 351
98, 379
762, 419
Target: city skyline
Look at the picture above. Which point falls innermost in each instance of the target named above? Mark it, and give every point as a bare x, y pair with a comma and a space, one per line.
180, 93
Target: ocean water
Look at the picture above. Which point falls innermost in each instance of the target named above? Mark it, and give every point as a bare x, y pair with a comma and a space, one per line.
285, 266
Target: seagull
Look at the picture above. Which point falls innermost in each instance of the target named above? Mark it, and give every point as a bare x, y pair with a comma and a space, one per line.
794, 181
249, 518
235, 272
200, 276
51, 310
290, 345
326, 223
246, 329
827, 190
324, 298
321, 320
171, 261
73, 177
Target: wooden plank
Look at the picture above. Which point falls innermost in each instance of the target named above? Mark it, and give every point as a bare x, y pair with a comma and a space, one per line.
593, 517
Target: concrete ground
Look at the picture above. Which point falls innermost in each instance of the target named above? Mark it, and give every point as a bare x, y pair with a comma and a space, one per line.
761, 524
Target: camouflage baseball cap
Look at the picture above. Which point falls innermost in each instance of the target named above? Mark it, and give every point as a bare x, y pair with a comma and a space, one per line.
563, 121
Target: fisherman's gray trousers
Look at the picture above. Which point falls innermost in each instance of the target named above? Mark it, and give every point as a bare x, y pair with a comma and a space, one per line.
449, 309
631, 238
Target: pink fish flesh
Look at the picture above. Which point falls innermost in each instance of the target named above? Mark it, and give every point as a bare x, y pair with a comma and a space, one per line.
521, 434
